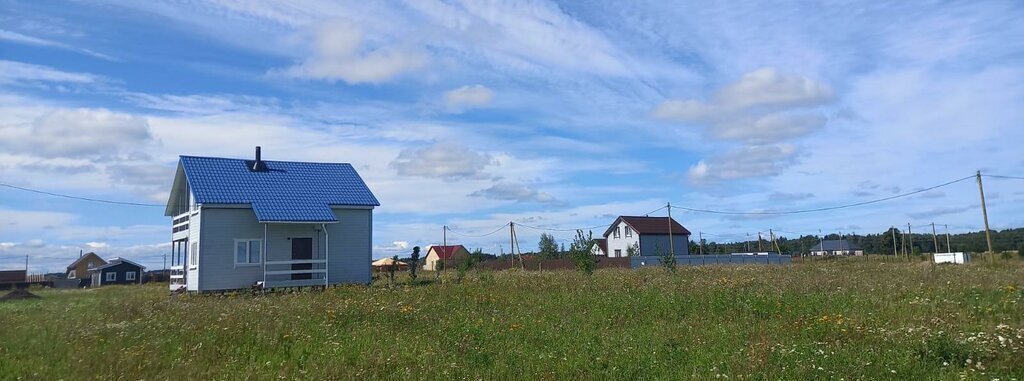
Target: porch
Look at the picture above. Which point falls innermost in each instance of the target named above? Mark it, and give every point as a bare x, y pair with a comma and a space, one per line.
296, 255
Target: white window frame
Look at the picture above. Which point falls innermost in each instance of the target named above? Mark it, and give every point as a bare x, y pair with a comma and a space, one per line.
248, 252
618, 253
111, 277
618, 232
193, 255
629, 232
72, 274
129, 275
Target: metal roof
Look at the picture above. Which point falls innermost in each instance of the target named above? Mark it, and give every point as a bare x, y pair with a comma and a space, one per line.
834, 245
649, 225
286, 191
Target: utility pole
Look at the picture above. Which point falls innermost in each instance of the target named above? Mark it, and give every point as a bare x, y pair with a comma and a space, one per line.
935, 239
984, 212
758, 242
671, 246
747, 242
26, 263
444, 247
701, 234
511, 242
893, 241
821, 243
949, 249
910, 233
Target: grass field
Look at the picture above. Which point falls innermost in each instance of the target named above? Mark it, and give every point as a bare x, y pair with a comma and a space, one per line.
849, 318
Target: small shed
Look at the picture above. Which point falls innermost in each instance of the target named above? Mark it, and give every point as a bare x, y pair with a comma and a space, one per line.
12, 276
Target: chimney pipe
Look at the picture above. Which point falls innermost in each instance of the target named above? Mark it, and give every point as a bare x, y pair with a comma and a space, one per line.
257, 154
258, 165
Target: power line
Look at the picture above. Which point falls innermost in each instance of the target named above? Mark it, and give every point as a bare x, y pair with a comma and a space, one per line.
825, 208
1004, 177
500, 228
78, 197
559, 229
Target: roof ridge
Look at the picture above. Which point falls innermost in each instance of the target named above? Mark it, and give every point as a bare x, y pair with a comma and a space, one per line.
266, 161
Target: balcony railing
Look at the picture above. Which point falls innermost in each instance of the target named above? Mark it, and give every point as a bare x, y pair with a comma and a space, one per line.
180, 223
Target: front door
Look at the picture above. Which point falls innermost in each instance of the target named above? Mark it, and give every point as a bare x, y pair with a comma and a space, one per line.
302, 249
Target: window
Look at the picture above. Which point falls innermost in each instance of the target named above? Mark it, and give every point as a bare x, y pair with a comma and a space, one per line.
71, 274
617, 233
629, 231
618, 252
248, 251
111, 276
130, 275
193, 255
91, 265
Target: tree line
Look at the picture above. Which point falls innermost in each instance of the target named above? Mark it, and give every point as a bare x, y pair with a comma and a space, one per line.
880, 243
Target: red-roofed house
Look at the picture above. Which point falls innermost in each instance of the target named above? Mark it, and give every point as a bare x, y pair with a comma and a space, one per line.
448, 254
600, 247
647, 235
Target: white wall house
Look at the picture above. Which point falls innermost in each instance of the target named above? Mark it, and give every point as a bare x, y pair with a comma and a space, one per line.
237, 223
646, 235
836, 247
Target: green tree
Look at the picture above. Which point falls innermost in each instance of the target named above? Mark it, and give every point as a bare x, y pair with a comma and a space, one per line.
632, 250
667, 259
547, 247
579, 252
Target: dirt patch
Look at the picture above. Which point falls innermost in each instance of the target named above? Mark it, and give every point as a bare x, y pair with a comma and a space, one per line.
19, 293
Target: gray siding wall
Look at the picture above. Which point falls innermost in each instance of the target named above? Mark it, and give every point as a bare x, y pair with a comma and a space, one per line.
649, 243
350, 246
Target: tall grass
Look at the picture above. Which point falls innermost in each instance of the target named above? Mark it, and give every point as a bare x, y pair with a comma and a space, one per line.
847, 318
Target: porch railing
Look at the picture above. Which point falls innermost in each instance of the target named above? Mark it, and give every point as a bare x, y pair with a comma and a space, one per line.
275, 274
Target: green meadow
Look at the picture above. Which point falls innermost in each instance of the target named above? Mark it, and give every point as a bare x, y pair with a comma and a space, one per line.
847, 318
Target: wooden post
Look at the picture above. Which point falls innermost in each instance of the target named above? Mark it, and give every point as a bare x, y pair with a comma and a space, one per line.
984, 212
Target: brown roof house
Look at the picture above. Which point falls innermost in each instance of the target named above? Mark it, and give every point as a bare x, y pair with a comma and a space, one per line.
447, 255
79, 269
647, 236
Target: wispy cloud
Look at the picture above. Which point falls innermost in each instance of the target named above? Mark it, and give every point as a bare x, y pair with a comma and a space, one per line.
19, 38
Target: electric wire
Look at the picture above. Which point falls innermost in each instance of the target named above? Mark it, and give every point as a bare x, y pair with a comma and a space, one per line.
698, 210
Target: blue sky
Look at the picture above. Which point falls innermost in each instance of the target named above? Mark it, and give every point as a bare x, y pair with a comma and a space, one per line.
473, 114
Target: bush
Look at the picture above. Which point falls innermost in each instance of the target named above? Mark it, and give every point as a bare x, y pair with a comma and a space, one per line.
1020, 252
580, 252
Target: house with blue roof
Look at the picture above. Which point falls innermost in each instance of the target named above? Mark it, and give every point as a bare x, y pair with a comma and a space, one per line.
239, 223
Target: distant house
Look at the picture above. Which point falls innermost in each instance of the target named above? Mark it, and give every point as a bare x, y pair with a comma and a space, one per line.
237, 223
117, 271
384, 265
79, 269
600, 247
836, 247
649, 236
447, 255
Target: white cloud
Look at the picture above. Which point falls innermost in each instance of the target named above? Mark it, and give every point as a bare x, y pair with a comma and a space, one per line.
447, 160
29, 40
78, 133
749, 161
13, 72
96, 245
468, 97
761, 110
340, 53
514, 191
